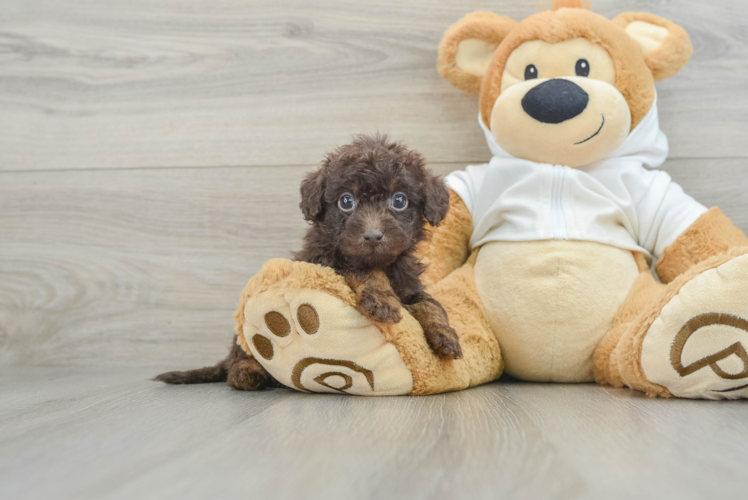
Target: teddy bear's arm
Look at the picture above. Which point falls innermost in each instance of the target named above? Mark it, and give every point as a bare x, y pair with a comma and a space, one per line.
448, 245
712, 234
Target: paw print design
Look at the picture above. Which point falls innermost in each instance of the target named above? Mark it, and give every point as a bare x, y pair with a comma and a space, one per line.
696, 348
313, 342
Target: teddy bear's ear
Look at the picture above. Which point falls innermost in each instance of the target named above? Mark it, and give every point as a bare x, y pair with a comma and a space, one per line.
468, 47
665, 45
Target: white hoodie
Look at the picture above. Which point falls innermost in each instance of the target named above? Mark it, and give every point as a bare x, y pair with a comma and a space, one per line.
615, 201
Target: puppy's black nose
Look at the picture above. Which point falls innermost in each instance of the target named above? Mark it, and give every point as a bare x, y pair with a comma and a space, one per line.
555, 101
373, 237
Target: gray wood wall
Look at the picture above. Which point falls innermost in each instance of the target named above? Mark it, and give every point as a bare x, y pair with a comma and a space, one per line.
151, 152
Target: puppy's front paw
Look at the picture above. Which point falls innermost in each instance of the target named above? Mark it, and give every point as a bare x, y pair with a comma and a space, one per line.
444, 341
380, 306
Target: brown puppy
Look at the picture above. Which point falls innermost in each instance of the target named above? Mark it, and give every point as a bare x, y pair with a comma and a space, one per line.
368, 205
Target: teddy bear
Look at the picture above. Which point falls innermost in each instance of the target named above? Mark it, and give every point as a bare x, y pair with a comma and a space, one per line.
543, 262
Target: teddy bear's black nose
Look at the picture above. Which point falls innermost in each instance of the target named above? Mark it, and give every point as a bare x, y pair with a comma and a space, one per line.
555, 101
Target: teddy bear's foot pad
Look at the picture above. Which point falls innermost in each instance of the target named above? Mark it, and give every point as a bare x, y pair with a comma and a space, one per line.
312, 341
697, 347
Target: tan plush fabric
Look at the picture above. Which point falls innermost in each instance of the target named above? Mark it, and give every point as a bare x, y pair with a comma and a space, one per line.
299, 321
571, 4
481, 360
712, 242
713, 233
522, 136
666, 58
285, 275
555, 60
473, 56
633, 78
448, 245
550, 302
324, 344
647, 36
486, 27
628, 352
346, 353
645, 292
696, 348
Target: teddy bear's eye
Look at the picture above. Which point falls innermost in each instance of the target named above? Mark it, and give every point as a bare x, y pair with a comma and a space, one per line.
531, 72
346, 202
582, 68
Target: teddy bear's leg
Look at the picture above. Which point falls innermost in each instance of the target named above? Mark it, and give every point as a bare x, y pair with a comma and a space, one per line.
458, 295
690, 338
645, 291
687, 339
300, 322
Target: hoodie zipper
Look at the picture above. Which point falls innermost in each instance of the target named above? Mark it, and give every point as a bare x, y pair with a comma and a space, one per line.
557, 204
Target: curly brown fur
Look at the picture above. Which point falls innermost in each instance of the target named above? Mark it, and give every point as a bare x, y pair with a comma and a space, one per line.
372, 243
383, 271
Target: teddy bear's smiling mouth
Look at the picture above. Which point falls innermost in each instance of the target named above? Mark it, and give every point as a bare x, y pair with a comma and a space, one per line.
593, 135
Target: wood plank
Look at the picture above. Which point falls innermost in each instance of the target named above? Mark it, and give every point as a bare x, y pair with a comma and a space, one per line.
122, 257
136, 83
144, 267
110, 434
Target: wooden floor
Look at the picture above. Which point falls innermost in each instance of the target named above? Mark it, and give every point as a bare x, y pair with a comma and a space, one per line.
82, 433
150, 158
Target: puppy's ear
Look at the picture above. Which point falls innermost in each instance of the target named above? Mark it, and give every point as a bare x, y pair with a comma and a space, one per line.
436, 200
312, 196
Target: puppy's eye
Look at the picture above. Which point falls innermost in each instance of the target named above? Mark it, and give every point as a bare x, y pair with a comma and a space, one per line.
582, 68
399, 202
531, 72
346, 202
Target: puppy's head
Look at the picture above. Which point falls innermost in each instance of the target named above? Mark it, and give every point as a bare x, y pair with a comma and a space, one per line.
371, 199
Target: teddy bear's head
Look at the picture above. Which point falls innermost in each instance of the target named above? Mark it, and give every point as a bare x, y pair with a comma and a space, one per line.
565, 86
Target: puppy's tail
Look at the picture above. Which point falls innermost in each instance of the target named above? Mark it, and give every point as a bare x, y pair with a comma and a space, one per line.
206, 375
